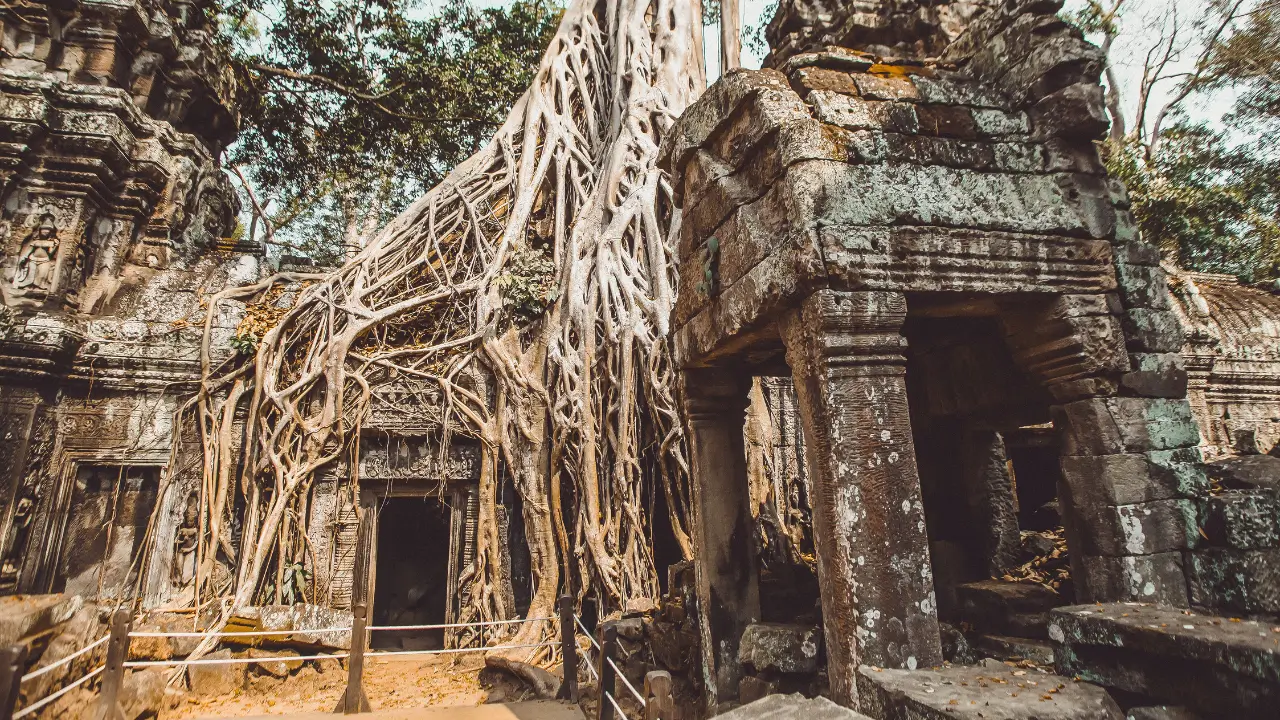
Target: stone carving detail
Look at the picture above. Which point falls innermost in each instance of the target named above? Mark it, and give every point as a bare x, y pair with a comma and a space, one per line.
183, 568
38, 258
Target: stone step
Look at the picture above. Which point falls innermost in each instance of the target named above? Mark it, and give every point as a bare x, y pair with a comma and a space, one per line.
970, 693
1004, 647
791, 707
1007, 608
1213, 665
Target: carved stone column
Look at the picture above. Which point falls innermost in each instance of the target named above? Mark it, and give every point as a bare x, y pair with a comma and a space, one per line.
724, 534
878, 606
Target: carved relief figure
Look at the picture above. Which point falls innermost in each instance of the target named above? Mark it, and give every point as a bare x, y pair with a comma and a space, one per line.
183, 568
16, 543
38, 257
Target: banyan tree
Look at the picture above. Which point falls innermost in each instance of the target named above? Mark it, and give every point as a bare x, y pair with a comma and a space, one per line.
531, 290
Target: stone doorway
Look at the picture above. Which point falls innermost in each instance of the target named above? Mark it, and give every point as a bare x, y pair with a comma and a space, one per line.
412, 584
103, 538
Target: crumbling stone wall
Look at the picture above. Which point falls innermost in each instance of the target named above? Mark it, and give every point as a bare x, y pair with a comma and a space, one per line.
114, 224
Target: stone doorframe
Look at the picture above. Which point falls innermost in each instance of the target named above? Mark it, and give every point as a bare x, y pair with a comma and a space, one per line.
41, 567
1129, 462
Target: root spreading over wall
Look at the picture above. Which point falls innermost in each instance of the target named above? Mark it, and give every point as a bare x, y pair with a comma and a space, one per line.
532, 287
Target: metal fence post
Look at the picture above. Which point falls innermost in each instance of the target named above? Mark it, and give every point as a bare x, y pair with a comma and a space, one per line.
13, 660
608, 683
569, 649
353, 699
113, 674
658, 702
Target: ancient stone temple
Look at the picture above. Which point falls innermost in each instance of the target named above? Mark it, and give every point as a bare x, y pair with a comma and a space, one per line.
1232, 352
117, 226
114, 222
905, 212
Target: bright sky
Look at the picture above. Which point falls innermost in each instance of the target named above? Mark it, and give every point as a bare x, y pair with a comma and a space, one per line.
1139, 30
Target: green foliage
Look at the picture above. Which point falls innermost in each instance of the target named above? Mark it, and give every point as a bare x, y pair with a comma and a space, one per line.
246, 344
349, 105
1209, 195
293, 584
528, 285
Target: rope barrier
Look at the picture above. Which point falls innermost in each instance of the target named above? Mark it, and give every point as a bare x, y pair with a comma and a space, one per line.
595, 675
53, 666
450, 651
238, 633
235, 661
458, 625
614, 703
54, 696
625, 681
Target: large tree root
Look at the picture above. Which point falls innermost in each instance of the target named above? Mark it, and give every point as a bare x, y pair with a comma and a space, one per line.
532, 288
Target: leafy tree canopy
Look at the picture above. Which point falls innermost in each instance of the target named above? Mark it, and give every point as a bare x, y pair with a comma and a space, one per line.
349, 108
1207, 193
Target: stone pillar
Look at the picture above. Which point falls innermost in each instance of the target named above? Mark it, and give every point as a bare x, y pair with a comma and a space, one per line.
993, 508
878, 606
724, 532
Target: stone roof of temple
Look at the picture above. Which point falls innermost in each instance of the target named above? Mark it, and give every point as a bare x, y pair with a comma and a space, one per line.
1220, 314
914, 28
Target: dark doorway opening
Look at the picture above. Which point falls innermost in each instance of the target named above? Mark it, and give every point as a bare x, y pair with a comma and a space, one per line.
411, 581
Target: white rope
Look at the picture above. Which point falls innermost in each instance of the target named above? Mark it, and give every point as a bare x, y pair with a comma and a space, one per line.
245, 633
616, 709
53, 666
584, 632
236, 661
450, 651
627, 682
41, 703
456, 625
594, 674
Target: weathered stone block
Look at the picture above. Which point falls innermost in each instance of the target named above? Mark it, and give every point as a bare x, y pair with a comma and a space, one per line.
1143, 286
991, 605
1156, 375
753, 688
1238, 581
276, 663
853, 113
1147, 578
792, 707
1137, 253
945, 121
26, 615
780, 647
1159, 526
1076, 111
1019, 157
1156, 331
216, 680
1247, 471
998, 123
306, 624
876, 87
938, 90
1221, 668
980, 692
1111, 426
1162, 712
1242, 519
818, 78
1101, 480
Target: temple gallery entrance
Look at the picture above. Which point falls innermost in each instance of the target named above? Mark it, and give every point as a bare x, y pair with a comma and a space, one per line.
411, 576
